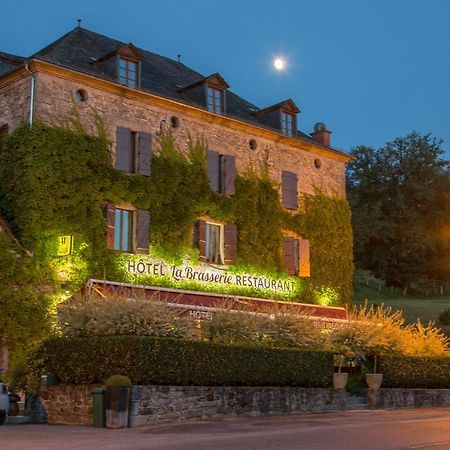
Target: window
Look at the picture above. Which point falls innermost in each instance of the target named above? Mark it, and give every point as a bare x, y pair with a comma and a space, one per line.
287, 123
123, 227
128, 230
214, 100
214, 243
289, 192
128, 72
133, 151
217, 243
296, 257
221, 172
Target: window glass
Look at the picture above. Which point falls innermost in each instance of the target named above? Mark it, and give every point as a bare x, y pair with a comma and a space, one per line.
122, 232
213, 244
214, 100
287, 123
127, 72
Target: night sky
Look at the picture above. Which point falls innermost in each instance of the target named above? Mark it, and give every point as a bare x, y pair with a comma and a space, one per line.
371, 70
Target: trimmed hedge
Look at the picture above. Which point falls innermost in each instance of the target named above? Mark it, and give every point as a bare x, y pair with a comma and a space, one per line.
415, 372
148, 360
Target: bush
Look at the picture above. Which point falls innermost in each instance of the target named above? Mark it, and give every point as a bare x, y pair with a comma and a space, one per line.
444, 317
165, 361
415, 372
119, 316
117, 381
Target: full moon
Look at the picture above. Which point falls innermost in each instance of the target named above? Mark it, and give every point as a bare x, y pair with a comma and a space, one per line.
279, 63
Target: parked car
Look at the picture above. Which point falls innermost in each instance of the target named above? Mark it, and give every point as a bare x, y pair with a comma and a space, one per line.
4, 402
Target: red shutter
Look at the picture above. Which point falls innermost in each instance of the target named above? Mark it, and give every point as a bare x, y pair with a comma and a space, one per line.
123, 149
144, 153
227, 174
289, 256
142, 231
303, 258
200, 239
213, 170
230, 243
109, 211
289, 193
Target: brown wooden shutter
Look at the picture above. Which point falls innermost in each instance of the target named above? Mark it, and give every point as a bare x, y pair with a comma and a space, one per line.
304, 267
144, 153
230, 243
142, 231
289, 256
200, 239
109, 212
289, 193
227, 174
123, 149
213, 170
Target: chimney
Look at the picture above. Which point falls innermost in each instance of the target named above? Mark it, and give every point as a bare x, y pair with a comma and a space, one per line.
321, 135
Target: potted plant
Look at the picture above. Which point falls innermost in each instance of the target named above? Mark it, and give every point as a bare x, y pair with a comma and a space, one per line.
117, 401
340, 378
374, 379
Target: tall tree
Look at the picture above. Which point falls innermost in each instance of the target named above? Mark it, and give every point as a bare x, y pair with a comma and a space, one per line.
400, 199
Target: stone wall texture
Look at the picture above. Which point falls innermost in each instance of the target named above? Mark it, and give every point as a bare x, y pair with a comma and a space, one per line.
55, 101
67, 404
408, 398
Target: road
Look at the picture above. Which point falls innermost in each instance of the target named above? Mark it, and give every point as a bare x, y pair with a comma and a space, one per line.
427, 428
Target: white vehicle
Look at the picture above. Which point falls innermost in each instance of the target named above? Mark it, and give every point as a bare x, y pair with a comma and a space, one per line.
4, 402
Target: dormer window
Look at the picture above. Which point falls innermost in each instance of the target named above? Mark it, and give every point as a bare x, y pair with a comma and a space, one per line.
128, 72
287, 123
214, 100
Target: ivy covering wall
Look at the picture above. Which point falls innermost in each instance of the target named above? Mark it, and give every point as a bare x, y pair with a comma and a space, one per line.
53, 180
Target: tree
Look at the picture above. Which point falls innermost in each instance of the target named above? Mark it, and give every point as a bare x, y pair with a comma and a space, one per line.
400, 199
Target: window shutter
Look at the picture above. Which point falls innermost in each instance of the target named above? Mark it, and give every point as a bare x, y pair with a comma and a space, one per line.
289, 256
109, 211
289, 191
230, 243
142, 231
123, 149
144, 153
3, 134
213, 170
200, 239
227, 174
303, 256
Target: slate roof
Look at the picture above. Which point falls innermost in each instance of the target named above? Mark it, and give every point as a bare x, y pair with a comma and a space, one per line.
9, 62
80, 48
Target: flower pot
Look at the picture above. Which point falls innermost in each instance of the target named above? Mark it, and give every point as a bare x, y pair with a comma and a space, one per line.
374, 380
116, 401
340, 380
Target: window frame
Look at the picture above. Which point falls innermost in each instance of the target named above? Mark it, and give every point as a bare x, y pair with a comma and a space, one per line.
287, 123
216, 106
219, 243
126, 80
118, 230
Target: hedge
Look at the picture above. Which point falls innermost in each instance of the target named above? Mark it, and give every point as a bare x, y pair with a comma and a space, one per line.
148, 360
415, 372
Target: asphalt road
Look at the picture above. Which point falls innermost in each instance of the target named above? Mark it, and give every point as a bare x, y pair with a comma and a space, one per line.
361, 430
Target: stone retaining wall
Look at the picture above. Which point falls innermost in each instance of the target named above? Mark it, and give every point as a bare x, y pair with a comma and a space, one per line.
150, 404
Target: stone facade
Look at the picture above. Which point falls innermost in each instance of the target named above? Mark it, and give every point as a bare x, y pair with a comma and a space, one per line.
55, 101
408, 398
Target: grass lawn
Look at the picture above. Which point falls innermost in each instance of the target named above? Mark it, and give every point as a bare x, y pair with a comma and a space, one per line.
413, 307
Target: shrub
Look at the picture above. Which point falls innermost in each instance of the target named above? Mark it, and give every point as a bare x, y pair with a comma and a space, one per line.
444, 317
119, 316
117, 381
415, 372
165, 361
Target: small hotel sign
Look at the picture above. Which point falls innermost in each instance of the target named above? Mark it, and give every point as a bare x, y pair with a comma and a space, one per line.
209, 275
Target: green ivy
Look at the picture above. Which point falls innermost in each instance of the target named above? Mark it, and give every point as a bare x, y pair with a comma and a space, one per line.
53, 180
